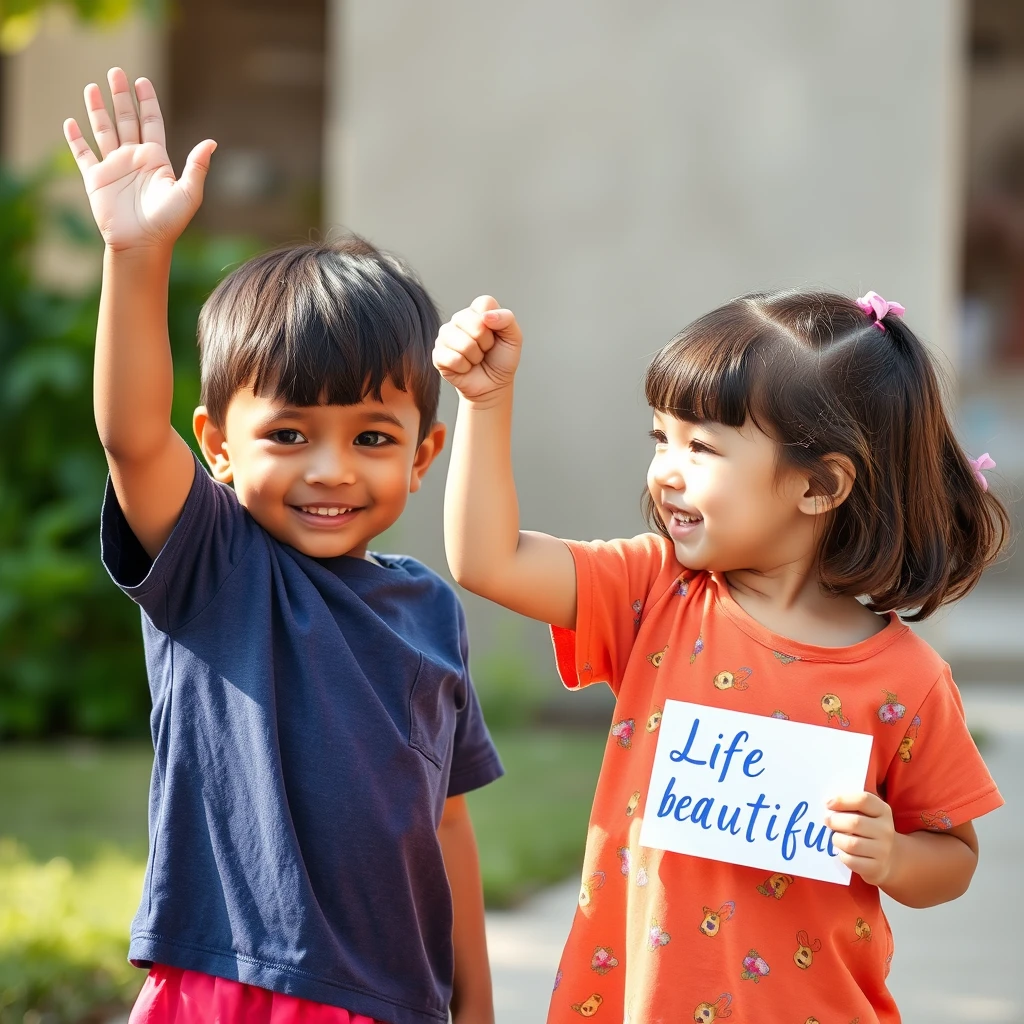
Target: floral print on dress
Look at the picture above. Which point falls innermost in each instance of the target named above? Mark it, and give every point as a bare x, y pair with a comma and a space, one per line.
891, 710
631, 807
938, 821
589, 886
655, 720
681, 588
603, 960
733, 680
708, 1013
589, 1006
623, 732
780, 714
776, 885
641, 874
558, 980
909, 740
785, 659
863, 930
711, 923
833, 708
697, 648
754, 967
638, 607
806, 947
657, 936
657, 657
623, 855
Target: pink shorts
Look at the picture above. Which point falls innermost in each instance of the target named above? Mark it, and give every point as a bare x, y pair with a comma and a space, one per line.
173, 996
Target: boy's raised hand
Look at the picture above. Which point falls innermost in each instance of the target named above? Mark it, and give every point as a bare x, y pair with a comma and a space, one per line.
477, 351
135, 197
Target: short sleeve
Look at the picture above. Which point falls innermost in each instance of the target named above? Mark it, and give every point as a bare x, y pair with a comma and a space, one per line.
614, 582
208, 541
475, 760
937, 779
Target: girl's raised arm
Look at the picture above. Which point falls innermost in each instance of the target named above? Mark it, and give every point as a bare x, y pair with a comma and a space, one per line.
477, 351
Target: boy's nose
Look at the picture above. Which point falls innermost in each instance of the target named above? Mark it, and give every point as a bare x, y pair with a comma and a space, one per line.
330, 466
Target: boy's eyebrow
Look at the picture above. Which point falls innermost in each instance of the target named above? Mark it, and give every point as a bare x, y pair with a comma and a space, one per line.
371, 415
383, 416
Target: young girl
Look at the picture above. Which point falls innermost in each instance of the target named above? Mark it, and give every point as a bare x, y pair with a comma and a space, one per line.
802, 461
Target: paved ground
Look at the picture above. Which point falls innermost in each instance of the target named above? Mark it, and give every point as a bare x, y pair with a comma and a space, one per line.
952, 963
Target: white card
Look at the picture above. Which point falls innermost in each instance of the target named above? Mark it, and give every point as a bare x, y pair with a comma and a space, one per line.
751, 790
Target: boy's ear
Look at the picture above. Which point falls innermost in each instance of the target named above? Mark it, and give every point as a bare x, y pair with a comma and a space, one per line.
213, 444
429, 449
841, 477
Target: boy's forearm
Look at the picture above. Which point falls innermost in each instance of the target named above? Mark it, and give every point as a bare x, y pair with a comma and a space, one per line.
472, 998
133, 377
930, 868
481, 509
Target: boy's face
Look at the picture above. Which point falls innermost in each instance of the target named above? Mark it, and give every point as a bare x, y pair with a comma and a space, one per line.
325, 479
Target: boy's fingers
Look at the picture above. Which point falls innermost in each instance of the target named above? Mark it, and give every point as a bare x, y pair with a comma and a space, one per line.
193, 177
482, 303
126, 121
149, 112
80, 149
99, 120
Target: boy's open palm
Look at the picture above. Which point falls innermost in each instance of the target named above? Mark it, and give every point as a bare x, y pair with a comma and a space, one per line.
136, 199
477, 351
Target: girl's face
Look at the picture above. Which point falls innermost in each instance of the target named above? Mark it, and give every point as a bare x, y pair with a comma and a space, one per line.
725, 499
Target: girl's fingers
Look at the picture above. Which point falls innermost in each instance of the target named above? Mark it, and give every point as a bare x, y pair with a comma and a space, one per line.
482, 303
126, 121
193, 177
849, 824
80, 149
455, 338
99, 120
149, 112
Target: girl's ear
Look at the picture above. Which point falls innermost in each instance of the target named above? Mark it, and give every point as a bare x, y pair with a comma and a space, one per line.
839, 477
213, 444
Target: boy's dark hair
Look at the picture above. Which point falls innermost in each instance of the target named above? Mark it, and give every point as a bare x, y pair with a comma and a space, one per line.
813, 372
319, 322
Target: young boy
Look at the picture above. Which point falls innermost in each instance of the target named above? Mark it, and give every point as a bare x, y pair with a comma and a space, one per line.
311, 856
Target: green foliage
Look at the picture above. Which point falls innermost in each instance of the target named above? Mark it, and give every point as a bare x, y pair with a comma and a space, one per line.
63, 937
70, 652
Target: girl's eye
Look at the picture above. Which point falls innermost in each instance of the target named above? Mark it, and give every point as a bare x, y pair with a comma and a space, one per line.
657, 436
287, 436
699, 446
373, 439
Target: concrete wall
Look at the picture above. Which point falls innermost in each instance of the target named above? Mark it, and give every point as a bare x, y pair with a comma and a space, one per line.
43, 85
612, 170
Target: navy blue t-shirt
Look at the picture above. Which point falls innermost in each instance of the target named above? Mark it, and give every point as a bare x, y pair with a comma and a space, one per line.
310, 717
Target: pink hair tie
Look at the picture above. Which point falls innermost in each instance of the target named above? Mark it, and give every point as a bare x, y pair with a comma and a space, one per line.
874, 305
982, 462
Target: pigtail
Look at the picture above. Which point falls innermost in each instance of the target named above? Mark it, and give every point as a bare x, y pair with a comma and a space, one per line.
941, 528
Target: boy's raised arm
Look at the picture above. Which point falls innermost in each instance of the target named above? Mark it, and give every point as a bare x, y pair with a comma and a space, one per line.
140, 210
477, 351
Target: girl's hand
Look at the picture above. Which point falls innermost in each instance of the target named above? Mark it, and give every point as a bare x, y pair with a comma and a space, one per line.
865, 837
477, 351
135, 198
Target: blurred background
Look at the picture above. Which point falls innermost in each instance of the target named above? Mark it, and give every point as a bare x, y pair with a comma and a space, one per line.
609, 171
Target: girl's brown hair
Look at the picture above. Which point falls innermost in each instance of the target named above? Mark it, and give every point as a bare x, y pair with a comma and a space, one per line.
812, 371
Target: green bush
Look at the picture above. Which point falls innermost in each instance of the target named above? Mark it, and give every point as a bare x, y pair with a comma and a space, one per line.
63, 937
70, 648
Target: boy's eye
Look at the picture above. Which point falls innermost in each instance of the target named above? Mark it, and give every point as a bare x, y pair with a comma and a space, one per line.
373, 439
286, 435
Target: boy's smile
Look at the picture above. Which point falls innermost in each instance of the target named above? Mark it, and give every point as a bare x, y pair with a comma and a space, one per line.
325, 479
